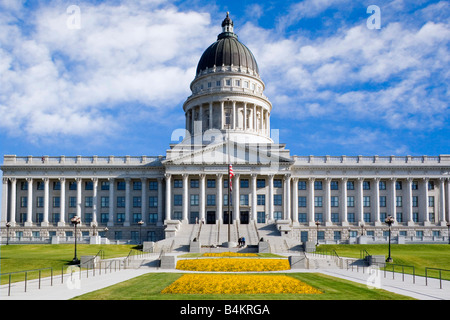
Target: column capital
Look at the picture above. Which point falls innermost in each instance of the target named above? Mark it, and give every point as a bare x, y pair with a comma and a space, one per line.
5, 180
29, 180
94, 179
167, 176
76, 179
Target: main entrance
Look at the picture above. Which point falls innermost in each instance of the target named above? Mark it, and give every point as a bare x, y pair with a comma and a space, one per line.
210, 217
225, 217
244, 217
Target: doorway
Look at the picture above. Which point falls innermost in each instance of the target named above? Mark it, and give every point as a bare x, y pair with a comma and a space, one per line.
210, 217
225, 217
244, 217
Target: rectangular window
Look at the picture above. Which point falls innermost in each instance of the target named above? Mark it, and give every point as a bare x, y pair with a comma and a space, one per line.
120, 217
137, 185
211, 200
104, 185
72, 185
382, 201
104, 202
243, 200
415, 201
104, 217
382, 185
351, 217
431, 201
56, 202
398, 201
337, 235
366, 185
334, 185
277, 183
302, 201
317, 185
277, 199
152, 217
137, 217
366, 216
350, 185
302, 217
334, 201
260, 183
72, 202
399, 217
211, 183
56, 185
366, 201
350, 201
261, 199
177, 200
88, 202
153, 202
277, 215
398, 185
414, 185
318, 201
335, 217
194, 199
88, 185
318, 217
121, 185
137, 202
120, 202
244, 183
302, 185
153, 185
194, 183
415, 216
431, 185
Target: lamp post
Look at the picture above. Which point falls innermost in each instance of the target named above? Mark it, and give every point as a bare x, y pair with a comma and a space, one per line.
8, 225
140, 223
317, 236
75, 221
389, 221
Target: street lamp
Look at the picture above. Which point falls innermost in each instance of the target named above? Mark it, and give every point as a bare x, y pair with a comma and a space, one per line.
389, 221
317, 224
8, 225
140, 223
75, 221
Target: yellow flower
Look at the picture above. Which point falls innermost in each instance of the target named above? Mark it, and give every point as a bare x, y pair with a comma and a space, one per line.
233, 265
238, 284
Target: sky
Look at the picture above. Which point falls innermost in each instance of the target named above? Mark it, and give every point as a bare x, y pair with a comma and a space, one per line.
110, 77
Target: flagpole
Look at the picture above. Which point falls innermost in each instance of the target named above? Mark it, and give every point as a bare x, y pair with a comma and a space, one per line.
229, 184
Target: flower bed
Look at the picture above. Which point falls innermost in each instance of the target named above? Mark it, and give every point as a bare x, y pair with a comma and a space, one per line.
233, 264
238, 284
229, 254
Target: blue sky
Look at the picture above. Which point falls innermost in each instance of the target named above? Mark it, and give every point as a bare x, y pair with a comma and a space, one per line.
116, 85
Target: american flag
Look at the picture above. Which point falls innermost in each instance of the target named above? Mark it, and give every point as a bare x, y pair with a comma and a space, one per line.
230, 174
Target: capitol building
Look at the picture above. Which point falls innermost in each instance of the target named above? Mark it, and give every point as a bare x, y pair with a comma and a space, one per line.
329, 199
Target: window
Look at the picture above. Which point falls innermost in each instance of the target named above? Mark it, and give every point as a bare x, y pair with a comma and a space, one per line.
431, 201
302, 217
302, 201
277, 199
350, 201
398, 185
153, 185
153, 202
137, 217
302, 185
415, 201
277, 183
211, 183
260, 183
436, 233
318, 217
177, 215
382, 185
277, 215
178, 183
399, 217
88, 185
120, 202
24, 185
334, 185
335, 217
431, 185
104, 202
350, 185
243, 200
104, 185
104, 217
261, 217
137, 185
238, 83
228, 82
366, 201
137, 202
244, 183
366, 185
317, 185
261, 199
415, 185
152, 217
194, 183
415, 216
398, 201
209, 84
382, 201
194, 199
218, 83
318, 201
246, 84
23, 202
72, 185
121, 185
366, 216
88, 202
337, 235
72, 202
419, 233
56, 202
177, 200
211, 200
335, 201
120, 217
56, 185
350, 217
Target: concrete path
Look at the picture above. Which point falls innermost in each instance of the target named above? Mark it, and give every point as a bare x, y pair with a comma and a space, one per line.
72, 286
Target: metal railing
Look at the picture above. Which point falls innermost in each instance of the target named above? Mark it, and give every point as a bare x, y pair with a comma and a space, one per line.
440, 275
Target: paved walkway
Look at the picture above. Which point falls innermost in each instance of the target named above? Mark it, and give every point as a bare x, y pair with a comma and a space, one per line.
72, 286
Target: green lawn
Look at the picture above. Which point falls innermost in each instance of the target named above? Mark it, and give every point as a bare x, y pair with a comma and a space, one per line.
149, 286
15, 258
417, 255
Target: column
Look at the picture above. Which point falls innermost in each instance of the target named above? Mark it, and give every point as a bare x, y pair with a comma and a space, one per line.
287, 197
448, 201
12, 209
79, 199
245, 116
4, 202
270, 197
144, 197
236, 198
328, 202
210, 115
202, 200
62, 210
360, 201
160, 202
423, 200
219, 200
393, 201
111, 202
295, 200
254, 118
168, 196
409, 209
442, 202
45, 222
126, 223
376, 201
94, 201
29, 221
254, 198
185, 198
343, 202
200, 107
234, 115
222, 117
310, 202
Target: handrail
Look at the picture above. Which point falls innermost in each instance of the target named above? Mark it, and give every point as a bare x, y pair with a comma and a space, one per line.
440, 274
363, 254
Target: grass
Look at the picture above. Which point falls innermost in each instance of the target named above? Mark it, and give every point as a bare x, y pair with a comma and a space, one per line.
417, 255
14, 258
149, 287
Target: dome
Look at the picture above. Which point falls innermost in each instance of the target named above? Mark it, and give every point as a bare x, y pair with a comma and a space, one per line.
227, 51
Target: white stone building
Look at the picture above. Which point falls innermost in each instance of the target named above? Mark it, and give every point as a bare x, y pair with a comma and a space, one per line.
227, 121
